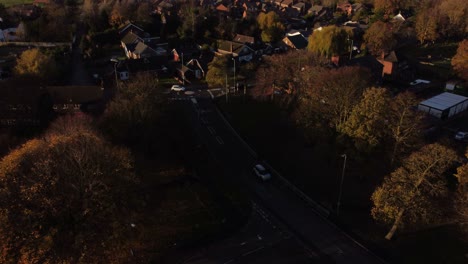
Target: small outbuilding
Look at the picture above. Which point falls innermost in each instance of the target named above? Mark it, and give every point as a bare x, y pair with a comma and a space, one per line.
444, 105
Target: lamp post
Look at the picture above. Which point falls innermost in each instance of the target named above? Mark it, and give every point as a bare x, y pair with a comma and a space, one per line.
351, 47
182, 69
235, 86
115, 61
341, 185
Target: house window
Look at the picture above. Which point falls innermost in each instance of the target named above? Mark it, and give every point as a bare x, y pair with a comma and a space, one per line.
76, 106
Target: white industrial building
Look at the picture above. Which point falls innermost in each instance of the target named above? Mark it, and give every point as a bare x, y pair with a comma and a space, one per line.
444, 105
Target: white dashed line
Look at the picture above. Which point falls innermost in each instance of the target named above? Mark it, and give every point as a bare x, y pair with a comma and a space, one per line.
252, 251
220, 140
212, 131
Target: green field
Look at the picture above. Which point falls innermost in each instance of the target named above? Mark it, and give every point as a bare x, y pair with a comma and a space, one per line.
8, 3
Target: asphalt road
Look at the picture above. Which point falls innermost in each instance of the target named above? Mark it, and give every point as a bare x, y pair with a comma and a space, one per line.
320, 241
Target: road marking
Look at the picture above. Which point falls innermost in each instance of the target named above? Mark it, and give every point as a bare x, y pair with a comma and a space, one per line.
211, 94
220, 141
212, 131
229, 261
252, 251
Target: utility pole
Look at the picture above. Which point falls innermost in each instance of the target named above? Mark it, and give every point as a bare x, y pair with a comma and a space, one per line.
235, 86
227, 88
341, 185
182, 69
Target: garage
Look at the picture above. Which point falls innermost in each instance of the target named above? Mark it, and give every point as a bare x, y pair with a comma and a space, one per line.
444, 105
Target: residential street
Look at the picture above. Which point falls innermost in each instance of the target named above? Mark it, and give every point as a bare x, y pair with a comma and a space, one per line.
323, 241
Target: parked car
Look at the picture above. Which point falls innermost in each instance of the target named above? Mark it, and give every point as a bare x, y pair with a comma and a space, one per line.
261, 172
177, 88
463, 136
419, 81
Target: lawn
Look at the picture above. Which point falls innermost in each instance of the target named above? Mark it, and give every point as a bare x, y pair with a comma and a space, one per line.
8, 3
432, 60
316, 169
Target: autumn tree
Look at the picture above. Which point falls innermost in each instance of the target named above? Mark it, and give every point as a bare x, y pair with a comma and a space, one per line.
459, 60
461, 198
218, 71
331, 95
404, 125
34, 62
329, 41
379, 38
426, 25
134, 114
271, 27
366, 124
453, 18
409, 195
391, 6
66, 197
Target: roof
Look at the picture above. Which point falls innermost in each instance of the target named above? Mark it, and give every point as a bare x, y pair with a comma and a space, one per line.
230, 46
131, 38
141, 48
244, 39
74, 94
298, 40
444, 101
129, 26
399, 17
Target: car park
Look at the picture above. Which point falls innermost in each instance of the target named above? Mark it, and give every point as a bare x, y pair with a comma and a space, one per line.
177, 88
261, 172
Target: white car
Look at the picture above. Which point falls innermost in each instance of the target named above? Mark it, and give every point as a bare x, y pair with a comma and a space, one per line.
261, 172
419, 81
461, 136
177, 88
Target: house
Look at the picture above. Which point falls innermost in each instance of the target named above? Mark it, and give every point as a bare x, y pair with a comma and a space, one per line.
141, 45
242, 51
316, 10
398, 18
244, 39
371, 63
190, 71
392, 66
130, 27
345, 7
222, 8
19, 104
300, 7
74, 98
295, 41
444, 105
286, 3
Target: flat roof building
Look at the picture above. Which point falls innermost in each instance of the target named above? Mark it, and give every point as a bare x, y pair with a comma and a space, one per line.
444, 105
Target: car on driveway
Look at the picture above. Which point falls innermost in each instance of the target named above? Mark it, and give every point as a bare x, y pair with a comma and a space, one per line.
261, 172
463, 136
177, 88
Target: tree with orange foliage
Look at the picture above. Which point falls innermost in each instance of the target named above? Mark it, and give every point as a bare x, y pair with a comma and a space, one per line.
459, 61
66, 197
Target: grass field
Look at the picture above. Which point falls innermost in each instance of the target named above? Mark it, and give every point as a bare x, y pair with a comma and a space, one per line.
8, 3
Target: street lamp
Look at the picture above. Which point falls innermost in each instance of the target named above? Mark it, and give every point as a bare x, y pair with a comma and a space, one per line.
341, 185
351, 47
115, 61
235, 87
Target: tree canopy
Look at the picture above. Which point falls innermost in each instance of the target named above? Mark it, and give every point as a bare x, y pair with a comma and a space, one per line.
218, 71
134, 114
366, 123
408, 195
65, 197
271, 27
34, 62
379, 38
329, 41
459, 60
